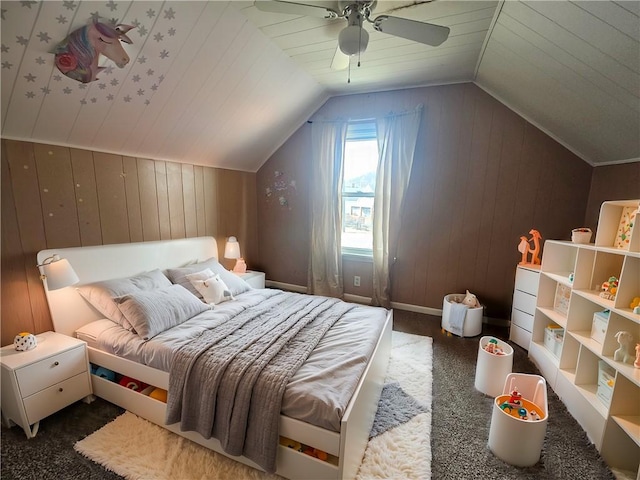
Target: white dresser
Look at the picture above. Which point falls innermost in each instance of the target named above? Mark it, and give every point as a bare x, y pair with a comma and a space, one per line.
525, 293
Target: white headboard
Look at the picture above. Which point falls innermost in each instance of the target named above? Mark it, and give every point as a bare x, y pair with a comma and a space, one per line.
69, 311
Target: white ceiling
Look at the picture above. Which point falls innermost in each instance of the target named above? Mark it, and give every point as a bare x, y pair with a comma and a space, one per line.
224, 84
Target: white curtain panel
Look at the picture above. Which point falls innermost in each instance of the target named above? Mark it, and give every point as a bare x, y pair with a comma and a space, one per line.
397, 136
325, 261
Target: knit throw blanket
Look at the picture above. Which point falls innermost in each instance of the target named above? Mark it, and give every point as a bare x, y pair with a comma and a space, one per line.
229, 382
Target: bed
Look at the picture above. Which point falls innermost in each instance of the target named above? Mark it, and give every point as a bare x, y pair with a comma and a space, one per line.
115, 348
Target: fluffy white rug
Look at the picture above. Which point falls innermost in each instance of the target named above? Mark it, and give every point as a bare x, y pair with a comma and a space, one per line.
136, 449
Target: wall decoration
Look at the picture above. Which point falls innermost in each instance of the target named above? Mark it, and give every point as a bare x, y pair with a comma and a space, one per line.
77, 55
526, 249
281, 189
623, 235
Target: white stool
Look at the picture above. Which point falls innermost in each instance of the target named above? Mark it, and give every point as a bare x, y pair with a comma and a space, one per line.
514, 440
492, 369
472, 321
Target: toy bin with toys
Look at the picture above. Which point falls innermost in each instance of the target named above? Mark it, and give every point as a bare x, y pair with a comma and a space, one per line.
495, 361
519, 420
472, 322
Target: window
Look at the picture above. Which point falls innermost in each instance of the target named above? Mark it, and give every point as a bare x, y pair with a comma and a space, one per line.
358, 188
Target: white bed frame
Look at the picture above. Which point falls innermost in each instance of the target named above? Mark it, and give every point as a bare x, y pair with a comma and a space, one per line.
69, 311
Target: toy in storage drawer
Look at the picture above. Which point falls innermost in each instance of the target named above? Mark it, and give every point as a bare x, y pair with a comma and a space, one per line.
606, 381
599, 325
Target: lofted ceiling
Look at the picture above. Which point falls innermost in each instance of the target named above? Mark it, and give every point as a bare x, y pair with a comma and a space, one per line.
225, 84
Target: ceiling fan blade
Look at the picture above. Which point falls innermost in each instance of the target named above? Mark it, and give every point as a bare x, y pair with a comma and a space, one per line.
340, 60
422, 32
291, 8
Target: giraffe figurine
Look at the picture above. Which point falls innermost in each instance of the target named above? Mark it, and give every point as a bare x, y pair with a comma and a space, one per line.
525, 249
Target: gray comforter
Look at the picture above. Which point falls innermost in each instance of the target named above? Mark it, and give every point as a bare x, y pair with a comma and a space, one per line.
228, 382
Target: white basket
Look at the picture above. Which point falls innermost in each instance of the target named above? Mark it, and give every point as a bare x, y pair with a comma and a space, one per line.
491, 369
513, 440
473, 320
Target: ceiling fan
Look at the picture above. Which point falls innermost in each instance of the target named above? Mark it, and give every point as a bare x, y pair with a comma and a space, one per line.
353, 39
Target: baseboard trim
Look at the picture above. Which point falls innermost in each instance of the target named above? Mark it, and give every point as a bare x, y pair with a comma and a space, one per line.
396, 305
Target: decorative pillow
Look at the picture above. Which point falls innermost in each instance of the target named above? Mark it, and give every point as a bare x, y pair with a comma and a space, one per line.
153, 311
210, 286
179, 276
102, 294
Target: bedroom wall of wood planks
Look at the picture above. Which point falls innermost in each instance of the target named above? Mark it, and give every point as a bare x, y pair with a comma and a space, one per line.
54, 197
482, 177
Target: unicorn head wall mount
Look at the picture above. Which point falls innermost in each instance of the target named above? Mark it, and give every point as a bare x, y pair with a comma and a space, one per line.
77, 55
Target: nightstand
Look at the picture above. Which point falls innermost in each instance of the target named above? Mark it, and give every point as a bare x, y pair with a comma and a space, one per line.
255, 279
43, 380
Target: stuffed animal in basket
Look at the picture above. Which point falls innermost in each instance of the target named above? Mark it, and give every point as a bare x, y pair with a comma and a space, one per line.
470, 300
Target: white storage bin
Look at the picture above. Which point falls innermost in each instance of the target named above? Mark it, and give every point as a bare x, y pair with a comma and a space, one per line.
492, 369
473, 320
599, 325
514, 440
606, 381
553, 337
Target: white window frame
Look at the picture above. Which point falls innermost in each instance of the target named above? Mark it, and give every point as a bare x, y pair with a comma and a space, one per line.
353, 136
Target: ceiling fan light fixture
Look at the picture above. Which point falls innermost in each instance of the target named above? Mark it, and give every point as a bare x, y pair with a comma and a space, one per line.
353, 40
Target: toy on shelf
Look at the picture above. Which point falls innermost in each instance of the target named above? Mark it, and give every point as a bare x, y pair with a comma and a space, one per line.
493, 347
525, 249
623, 353
637, 362
610, 288
635, 305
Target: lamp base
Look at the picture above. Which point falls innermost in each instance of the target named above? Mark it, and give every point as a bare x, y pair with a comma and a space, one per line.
240, 266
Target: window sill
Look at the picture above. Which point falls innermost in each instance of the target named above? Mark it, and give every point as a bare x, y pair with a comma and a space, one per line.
357, 257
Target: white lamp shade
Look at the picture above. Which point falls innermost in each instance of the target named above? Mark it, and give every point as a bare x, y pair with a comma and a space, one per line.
59, 274
353, 39
232, 248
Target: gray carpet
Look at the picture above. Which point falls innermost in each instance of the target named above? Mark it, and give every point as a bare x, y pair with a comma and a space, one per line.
459, 435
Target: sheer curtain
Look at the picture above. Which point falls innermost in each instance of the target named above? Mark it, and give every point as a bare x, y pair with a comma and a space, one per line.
325, 259
397, 136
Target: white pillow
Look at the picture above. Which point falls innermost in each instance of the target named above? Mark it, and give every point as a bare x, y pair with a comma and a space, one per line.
236, 284
210, 286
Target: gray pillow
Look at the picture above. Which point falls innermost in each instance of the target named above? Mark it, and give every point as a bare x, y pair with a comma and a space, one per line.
153, 311
235, 284
102, 294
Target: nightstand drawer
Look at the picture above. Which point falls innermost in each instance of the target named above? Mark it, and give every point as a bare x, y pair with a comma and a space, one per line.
527, 281
56, 397
524, 302
51, 370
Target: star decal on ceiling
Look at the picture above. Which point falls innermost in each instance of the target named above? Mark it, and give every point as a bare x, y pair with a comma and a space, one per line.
7, 65
95, 16
114, 82
94, 99
30, 78
66, 90
45, 90
61, 19
150, 72
158, 37
29, 94
147, 102
140, 92
102, 86
69, 4
111, 5
164, 54
151, 13
40, 61
4, 48
28, 4
142, 31
44, 37
127, 99
171, 32
57, 77
108, 70
22, 41
142, 60
160, 78
82, 86
110, 97
154, 87
135, 78
170, 14
83, 102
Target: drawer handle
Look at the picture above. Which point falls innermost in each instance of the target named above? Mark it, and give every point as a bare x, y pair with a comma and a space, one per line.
55, 364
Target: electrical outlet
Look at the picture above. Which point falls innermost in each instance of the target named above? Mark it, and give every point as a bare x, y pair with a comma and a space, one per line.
356, 281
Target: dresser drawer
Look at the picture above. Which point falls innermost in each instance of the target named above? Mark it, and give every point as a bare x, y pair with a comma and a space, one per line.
56, 397
51, 370
522, 320
520, 336
527, 281
524, 302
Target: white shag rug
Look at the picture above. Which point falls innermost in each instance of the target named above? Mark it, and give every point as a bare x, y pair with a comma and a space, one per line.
137, 449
